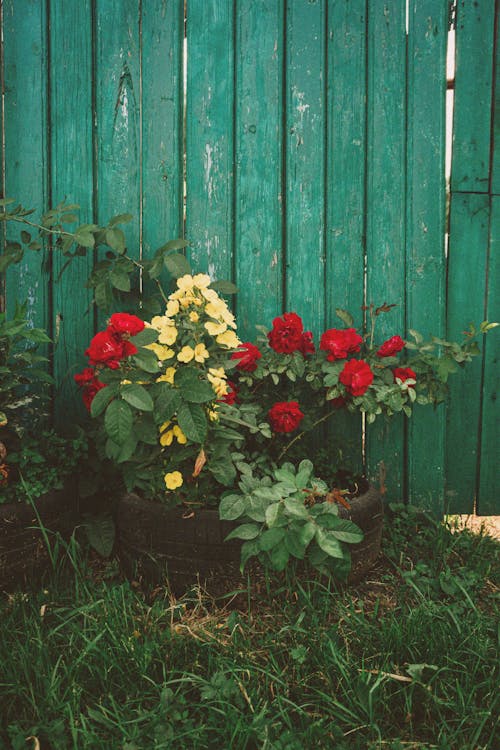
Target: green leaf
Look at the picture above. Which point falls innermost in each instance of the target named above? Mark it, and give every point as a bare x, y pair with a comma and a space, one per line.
345, 317
296, 543
85, 239
249, 549
177, 265
178, 244
245, 531
192, 421
118, 421
25, 237
167, 402
146, 360
146, 430
193, 387
279, 556
222, 286
222, 469
329, 543
120, 219
101, 534
347, 531
102, 399
272, 514
296, 508
115, 238
271, 537
145, 337
231, 507
136, 395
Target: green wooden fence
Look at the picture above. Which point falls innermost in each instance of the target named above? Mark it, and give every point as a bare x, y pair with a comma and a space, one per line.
310, 137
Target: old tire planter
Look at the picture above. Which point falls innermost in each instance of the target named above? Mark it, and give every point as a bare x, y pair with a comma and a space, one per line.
188, 545
25, 532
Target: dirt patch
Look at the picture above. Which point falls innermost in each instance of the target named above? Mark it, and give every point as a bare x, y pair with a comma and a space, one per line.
478, 524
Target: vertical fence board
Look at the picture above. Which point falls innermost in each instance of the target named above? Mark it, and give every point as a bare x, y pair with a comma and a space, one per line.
469, 221
209, 135
495, 164
425, 262
72, 180
258, 178
162, 104
385, 231
488, 501
305, 162
475, 26
345, 182
118, 105
26, 178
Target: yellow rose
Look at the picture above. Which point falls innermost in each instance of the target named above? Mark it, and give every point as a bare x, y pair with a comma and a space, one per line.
162, 352
201, 280
168, 334
186, 354
166, 438
228, 339
167, 377
194, 317
200, 353
172, 307
181, 438
173, 480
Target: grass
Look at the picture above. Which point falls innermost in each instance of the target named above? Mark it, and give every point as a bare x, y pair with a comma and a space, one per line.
406, 659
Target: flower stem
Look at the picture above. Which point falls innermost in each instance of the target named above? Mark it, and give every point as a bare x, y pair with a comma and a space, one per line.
301, 434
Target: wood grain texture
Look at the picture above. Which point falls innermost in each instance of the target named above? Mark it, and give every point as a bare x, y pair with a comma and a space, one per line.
71, 180
386, 209
488, 500
468, 252
258, 164
473, 95
425, 230
495, 162
345, 182
118, 114
210, 136
26, 140
305, 162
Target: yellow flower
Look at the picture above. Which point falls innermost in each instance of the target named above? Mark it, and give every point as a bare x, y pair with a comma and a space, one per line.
167, 377
212, 414
159, 322
214, 329
185, 282
210, 295
215, 309
173, 480
228, 339
188, 299
186, 354
218, 381
172, 307
164, 426
194, 317
201, 280
168, 335
125, 382
200, 353
181, 438
166, 438
162, 352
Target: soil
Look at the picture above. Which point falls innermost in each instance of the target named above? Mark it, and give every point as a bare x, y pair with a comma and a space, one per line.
490, 524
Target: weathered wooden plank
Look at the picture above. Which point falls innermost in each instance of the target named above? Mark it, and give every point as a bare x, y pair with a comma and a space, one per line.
425, 252
258, 178
305, 162
495, 163
118, 114
71, 180
488, 501
467, 259
475, 26
386, 206
162, 137
345, 182
26, 177
209, 135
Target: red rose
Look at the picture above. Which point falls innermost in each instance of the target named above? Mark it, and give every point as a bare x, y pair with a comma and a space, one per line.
125, 323
391, 346
338, 403
128, 349
306, 344
356, 376
88, 381
285, 416
232, 395
106, 349
248, 354
404, 373
286, 335
340, 342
